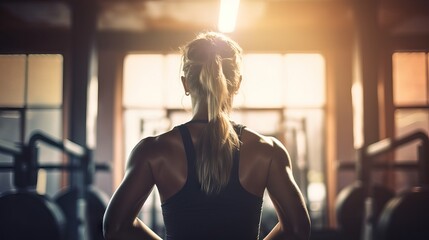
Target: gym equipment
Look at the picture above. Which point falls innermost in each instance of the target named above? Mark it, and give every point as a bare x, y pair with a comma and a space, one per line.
404, 217
81, 207
96, 203
350, 204
360, 206
28, 215
25, 214
350, 208
394, 218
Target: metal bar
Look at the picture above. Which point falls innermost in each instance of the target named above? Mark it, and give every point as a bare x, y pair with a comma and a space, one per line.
386, 145
67, 146
98, 167
4, 167
379, 147
403, 165
9, 148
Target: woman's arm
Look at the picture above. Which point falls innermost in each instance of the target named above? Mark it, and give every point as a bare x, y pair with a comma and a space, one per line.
120, 219
294, 221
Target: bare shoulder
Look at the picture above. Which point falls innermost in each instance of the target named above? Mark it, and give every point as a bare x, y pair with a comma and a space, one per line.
268, 147
155, 148
251, 136
258, 155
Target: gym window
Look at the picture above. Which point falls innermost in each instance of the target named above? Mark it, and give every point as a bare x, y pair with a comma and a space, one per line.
31, 96
410, 104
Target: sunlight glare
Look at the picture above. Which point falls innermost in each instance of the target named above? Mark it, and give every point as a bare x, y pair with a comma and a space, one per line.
228, 15
143, 80
305, 79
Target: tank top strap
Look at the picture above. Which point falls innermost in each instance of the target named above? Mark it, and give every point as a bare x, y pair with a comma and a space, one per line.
236, 157
189, 149
238, 129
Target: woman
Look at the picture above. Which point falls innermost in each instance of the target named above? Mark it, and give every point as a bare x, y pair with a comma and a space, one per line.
211, 173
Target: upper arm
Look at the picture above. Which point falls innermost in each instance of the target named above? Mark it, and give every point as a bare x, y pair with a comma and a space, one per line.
134, 189
285, 194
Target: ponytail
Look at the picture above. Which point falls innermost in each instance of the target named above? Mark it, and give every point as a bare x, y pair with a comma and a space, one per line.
211, 63
219, 140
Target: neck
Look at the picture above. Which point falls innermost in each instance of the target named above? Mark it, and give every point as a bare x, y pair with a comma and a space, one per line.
198, 121
199, 110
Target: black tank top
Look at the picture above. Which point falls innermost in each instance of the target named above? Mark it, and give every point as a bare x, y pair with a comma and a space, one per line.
190, 214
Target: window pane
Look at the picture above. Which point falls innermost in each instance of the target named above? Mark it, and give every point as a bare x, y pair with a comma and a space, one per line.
304, 139
143, 123
46, 120
92, 111
179, 117
406, 122
50, 181
258, 119
50, 122
12, 80
311, 123
45, 79
409, 78
305, 80
10, 125
262, 81
143, 80
175, 94
10, 133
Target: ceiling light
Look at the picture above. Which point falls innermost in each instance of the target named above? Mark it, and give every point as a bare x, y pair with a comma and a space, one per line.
228, 15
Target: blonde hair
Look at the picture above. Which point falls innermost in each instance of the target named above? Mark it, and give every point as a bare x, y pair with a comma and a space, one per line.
212, 68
